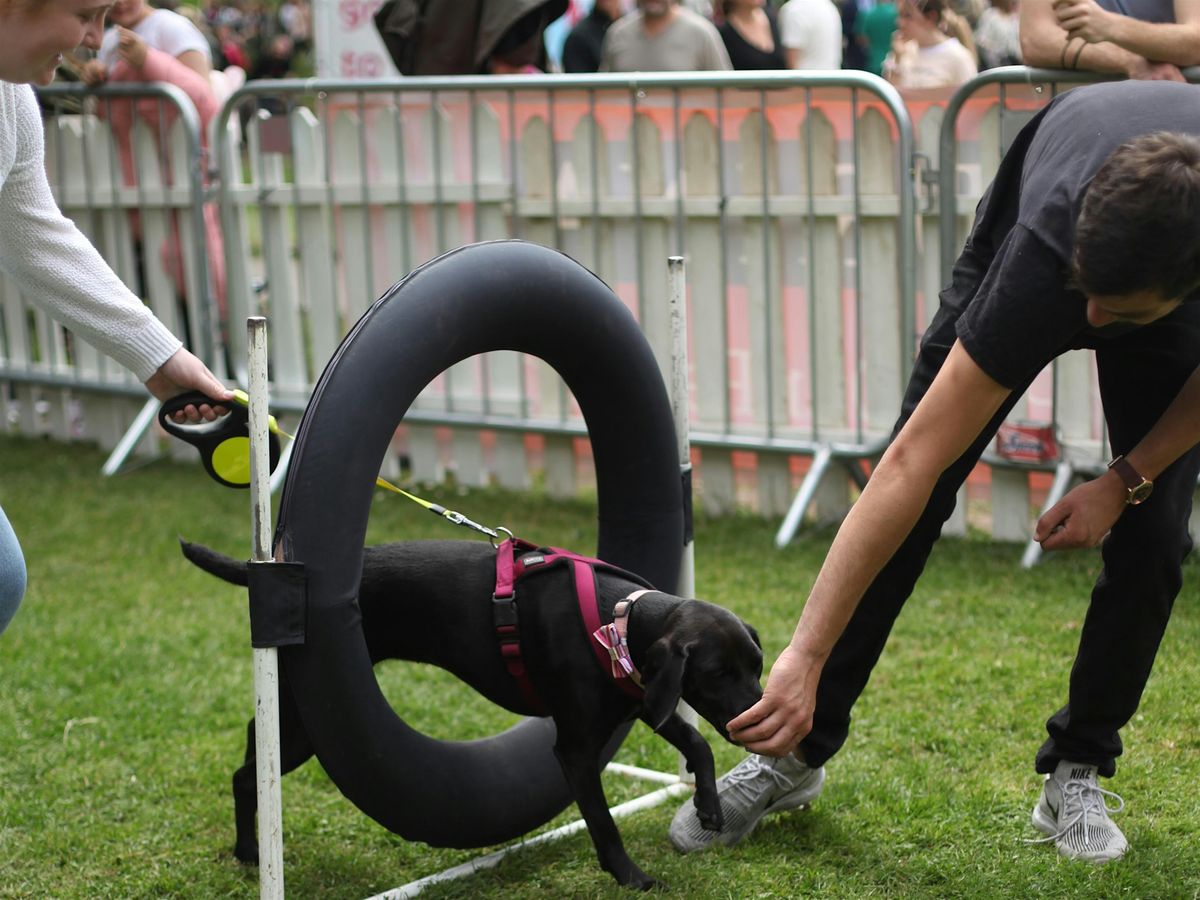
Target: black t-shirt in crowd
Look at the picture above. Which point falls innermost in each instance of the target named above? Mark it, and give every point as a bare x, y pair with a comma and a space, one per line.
744, 55
1023, 314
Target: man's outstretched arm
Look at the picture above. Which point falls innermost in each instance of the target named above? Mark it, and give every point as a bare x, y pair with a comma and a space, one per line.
960, 402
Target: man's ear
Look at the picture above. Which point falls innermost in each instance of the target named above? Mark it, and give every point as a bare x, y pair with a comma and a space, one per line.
663, 679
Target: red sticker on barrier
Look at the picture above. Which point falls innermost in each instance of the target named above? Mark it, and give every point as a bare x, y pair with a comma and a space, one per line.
1027, 442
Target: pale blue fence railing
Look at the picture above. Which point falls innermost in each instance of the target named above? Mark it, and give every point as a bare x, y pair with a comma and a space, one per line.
789, 196
817, 213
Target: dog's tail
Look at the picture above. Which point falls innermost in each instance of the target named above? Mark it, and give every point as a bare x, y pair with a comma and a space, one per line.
226, 567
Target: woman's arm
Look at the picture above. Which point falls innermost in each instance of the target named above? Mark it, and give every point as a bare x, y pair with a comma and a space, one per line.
59, 269
1175, 42
1045, 44
141, 62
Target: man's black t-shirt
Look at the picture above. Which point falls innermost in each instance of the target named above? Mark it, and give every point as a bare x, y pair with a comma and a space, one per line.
1158, 11
1023, 314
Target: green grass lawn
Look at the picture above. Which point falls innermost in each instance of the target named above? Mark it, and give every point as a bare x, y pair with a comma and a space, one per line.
125, 686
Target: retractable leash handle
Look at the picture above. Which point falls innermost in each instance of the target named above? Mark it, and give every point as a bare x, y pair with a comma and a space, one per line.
224, 446
224, 443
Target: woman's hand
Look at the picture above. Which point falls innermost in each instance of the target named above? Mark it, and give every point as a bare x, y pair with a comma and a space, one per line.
93, 72
1147, 70
1084, 19
131, 47
184, 372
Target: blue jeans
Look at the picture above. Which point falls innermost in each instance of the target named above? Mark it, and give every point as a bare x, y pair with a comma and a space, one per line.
12, 573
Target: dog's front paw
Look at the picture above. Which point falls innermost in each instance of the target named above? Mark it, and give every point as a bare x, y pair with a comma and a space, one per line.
708, 807
631, 876
711, 819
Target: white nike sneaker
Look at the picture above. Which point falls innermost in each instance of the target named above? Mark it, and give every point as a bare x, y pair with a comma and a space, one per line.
1073, 813
758, 785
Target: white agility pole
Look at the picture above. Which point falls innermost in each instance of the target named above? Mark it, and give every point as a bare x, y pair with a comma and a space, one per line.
266, 659
680, 401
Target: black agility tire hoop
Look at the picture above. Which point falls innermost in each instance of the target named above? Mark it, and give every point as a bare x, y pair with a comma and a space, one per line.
505, 295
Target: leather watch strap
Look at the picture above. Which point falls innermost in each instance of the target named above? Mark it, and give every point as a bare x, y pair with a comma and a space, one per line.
1138, 486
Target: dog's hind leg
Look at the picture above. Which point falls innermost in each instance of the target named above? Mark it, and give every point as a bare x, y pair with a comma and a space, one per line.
295, 749
581, 765
245, 805
698, 756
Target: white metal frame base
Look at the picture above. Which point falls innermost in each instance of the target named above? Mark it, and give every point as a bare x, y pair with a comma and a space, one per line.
674, 788
808, 489
134, 433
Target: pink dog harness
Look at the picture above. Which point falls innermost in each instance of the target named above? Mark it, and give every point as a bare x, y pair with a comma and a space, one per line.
516, 559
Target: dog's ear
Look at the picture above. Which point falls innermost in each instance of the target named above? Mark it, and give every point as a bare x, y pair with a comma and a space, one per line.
663, 679
754, 636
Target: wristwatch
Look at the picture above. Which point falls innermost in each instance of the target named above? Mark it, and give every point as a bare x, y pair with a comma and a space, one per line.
1139, 488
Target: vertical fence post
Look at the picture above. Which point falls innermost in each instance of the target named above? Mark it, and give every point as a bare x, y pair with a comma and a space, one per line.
679, 407
266, 659
677, 299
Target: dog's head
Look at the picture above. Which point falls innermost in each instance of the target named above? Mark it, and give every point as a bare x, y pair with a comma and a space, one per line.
707, 656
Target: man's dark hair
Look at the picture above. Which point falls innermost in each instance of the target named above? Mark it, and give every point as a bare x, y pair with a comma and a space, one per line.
1139, 228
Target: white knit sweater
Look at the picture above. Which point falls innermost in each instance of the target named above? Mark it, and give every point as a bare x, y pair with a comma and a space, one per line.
54, 264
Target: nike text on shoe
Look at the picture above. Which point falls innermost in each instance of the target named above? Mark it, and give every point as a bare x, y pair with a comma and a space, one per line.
758, 785
1073, 813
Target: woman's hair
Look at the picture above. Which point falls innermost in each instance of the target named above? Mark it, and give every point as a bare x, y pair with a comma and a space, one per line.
940, 13
1139, 227
930, 9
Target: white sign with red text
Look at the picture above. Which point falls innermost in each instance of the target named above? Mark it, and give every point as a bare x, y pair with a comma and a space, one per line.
347, 44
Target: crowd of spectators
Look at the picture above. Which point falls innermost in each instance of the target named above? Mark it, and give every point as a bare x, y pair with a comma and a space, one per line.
246, 38
267, 41
913, 43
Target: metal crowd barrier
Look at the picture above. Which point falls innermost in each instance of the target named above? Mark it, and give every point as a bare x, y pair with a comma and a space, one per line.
789, 194
793, 197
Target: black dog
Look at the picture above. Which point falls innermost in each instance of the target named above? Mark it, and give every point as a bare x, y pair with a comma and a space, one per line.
430, 601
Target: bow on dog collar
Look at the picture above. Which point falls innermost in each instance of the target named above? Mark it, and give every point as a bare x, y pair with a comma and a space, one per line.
612, 637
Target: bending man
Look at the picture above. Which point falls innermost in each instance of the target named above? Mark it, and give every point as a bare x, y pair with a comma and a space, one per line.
1089, 237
